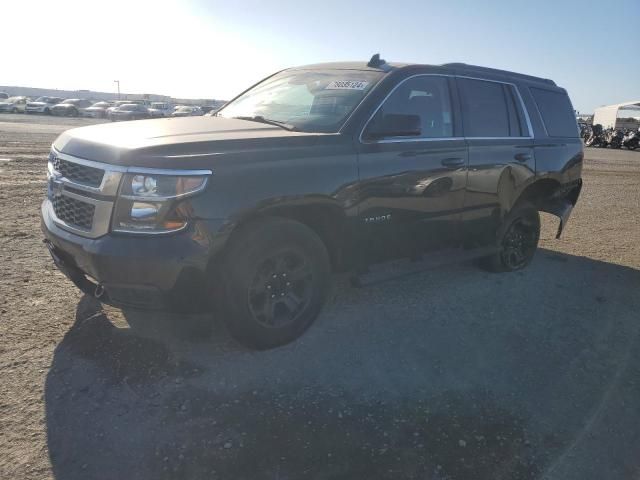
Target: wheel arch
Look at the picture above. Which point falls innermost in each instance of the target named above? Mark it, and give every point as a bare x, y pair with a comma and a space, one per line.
538, 192
324, 216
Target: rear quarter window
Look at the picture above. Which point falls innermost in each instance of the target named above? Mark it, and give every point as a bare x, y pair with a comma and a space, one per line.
557, 112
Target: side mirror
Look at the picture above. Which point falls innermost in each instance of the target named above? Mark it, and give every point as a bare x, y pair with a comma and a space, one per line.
394, 125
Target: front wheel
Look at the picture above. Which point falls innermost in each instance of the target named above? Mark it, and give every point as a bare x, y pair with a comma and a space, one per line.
273, 282
517, 240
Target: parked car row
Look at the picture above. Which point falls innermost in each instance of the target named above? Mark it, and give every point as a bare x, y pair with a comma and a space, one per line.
114, 111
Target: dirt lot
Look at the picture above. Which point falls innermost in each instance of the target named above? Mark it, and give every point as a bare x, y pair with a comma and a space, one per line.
450, 374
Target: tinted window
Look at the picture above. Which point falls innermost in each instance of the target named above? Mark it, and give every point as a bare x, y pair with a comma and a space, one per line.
557, 112
485, 110
427, 97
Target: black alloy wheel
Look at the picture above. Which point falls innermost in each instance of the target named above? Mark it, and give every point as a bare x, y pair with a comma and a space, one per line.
519, 243
517, 240
281, 288
272, 283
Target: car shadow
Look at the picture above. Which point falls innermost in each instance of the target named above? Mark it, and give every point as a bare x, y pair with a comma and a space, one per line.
453, 373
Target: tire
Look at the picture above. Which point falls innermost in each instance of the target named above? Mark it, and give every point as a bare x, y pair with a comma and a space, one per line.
47, 111
14, 110
73, 112
273, 282
517, 239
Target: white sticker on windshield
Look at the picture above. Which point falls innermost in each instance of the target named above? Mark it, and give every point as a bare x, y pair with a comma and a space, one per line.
347, 85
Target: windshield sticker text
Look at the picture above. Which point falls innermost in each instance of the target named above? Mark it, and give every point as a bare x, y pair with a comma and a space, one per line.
347, 85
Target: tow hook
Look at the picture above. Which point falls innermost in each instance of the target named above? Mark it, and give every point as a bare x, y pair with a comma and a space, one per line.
99, 291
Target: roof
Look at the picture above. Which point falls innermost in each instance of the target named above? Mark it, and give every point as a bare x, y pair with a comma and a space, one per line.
458, 68
633, 105
350, 66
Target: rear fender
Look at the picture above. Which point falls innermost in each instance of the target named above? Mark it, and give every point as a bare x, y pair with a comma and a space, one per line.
561, 203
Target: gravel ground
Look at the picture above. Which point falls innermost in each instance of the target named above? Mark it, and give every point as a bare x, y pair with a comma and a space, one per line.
449, 374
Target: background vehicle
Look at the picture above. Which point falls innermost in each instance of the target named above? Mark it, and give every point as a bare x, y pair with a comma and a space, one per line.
614, 137
13, 104
631, 139
115, 105
42, 105
72, 107
129, 111
187, 111
4, 95
316, 169
596, 137
97, 110
160, 109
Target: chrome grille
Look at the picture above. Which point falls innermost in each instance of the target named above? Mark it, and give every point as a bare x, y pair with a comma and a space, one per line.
74, 212
76, 172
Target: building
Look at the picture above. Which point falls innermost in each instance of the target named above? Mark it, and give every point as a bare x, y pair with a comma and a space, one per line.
609, 116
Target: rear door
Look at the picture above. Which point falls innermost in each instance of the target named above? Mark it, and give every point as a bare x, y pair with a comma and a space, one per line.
411, 189
501, 154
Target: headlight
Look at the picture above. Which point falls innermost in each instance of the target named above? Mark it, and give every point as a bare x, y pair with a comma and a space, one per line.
152, 202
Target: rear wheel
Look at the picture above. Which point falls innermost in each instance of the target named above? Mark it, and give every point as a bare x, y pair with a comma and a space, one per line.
273, 282
517, 240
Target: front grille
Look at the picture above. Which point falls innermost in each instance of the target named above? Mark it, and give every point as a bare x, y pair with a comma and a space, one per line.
74, 212
76, 172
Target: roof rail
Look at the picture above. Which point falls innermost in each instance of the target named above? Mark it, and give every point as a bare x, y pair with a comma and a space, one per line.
477, 68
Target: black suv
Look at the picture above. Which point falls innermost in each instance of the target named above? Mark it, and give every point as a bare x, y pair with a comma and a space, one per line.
331, 167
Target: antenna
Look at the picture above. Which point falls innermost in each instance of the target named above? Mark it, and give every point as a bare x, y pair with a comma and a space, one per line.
375, 61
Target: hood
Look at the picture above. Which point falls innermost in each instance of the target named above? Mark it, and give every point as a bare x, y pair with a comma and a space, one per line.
185, 142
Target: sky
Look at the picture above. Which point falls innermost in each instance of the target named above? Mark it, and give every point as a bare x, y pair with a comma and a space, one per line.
215, 49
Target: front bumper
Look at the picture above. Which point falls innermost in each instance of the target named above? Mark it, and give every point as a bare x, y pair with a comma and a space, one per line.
163, 272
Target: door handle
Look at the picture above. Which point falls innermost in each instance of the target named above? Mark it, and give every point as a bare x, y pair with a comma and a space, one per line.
522, 157
452, 162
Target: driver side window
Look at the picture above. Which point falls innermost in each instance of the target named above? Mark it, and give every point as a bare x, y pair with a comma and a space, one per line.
426, 97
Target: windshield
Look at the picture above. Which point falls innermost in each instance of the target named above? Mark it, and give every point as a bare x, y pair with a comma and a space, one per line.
100, 105
309, 100
129, 107
184, 109
13, 99
70, 101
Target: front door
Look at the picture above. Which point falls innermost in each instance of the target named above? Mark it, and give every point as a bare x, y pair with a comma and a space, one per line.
411, 188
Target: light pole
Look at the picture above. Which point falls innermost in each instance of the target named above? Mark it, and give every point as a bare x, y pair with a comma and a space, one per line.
118, 82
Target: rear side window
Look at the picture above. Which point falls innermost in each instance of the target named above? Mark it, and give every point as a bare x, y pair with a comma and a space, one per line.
489, 109
557, 112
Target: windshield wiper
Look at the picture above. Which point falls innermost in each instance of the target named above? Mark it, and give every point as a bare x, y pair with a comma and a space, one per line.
268, 121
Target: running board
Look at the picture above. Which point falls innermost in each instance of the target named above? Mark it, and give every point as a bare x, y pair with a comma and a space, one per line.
404, 267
